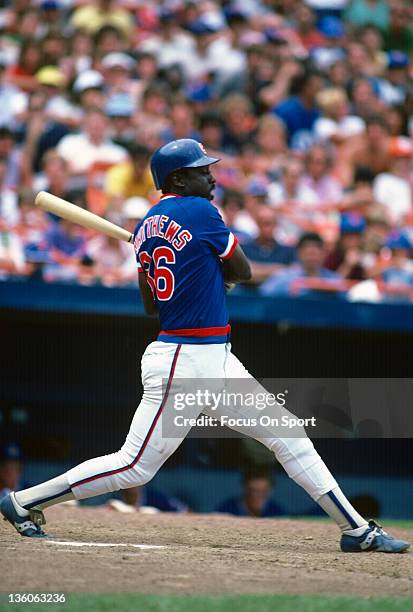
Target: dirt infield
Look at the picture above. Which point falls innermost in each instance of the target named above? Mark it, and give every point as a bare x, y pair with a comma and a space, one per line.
202, 554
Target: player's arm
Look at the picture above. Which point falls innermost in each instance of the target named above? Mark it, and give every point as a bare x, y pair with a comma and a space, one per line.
146, 294
236, 268
218, 238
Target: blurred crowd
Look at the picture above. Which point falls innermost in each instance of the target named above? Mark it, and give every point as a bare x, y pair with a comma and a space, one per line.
308, 104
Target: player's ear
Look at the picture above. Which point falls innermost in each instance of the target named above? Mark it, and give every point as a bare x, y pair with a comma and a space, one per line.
178, 179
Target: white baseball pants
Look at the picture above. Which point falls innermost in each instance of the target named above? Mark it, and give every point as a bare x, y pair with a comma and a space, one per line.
146, 449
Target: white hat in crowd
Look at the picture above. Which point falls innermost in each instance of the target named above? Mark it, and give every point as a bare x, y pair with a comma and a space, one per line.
88, 79
118, 60
135, 208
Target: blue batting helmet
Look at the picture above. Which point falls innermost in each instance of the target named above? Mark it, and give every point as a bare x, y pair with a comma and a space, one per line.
183, 153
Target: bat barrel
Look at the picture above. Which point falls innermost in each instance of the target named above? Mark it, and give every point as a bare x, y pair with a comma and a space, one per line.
76, 214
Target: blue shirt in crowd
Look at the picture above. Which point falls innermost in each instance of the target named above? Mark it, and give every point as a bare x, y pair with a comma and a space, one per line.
236, 506
281, 284
296, 116
277, 253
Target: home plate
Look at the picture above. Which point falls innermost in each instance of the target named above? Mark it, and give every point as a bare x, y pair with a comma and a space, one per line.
103, 544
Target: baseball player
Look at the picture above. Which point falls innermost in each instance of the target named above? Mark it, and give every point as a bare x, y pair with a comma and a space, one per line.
185, 256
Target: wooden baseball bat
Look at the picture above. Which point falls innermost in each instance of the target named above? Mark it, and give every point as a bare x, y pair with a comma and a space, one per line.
76, 214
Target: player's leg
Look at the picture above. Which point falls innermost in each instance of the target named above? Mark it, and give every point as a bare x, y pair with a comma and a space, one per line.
304, 465
142, 454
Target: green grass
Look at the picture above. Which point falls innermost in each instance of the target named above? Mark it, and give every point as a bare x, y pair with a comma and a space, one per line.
387, 523
403, 523
247, 603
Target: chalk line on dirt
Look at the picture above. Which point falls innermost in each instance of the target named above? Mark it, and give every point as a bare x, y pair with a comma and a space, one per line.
103, 544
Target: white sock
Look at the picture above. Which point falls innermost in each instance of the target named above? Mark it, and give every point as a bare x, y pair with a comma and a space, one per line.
356, 532
337, 506
46, 494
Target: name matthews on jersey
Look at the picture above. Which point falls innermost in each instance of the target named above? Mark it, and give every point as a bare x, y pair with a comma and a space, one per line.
162, 227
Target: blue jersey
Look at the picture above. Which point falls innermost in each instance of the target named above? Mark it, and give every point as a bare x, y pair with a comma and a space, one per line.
179, 245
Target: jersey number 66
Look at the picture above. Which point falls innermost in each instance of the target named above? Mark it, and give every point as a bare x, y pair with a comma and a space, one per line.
162, 283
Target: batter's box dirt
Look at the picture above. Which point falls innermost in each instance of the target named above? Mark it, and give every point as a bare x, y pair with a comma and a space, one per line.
208, 554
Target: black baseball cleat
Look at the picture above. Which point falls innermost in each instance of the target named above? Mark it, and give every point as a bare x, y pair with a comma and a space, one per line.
374, 539
29, 525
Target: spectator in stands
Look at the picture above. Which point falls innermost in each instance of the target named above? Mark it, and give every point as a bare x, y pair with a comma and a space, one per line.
33, 226
339, 75
182, 121
375, 236
399, 274
399, 34
392, 88
119, 109
289, 188
363, 12
12, 257
92, 17
272, 145
54, 47
88, 89
255, 195
55, 178
249, 163
239, 122
299, 112
114, 260
336, 124
30, 25
42, 132
333, 30
22, 74
11, 468
116, 69
146, 500
372, 39
268, 80
266, 255
113, 264
211, 131
397, 120
359, 66
293, 200
132, 177
255, 499
154, 106
232, 204
67, 239
393, 189
171, 44
66, 245
91, 145
8, 198
13, 101
52, 85
13, 158
108, 39
317, 279
370, 149
363, 96
78, 59
52, 16
346, 257
318, 178
305, 21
